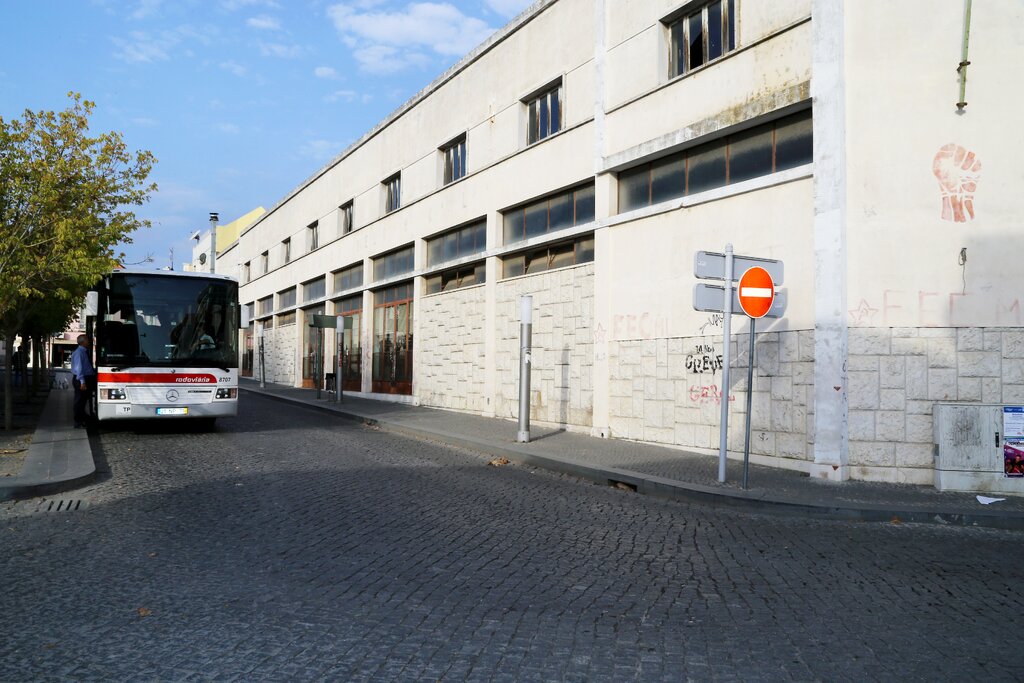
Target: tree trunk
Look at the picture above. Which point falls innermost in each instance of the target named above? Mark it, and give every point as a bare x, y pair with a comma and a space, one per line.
8, 384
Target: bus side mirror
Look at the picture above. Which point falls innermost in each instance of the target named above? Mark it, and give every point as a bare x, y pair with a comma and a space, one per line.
92, 304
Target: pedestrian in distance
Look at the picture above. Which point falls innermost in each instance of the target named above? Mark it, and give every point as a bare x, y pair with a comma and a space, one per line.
18, 367
83, 378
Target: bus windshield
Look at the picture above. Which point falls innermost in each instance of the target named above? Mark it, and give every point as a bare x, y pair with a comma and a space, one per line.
154, 320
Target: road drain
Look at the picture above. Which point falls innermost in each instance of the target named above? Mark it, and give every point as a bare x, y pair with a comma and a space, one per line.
62, 505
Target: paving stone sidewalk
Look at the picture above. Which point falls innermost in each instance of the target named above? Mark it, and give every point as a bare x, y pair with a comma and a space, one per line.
666, 471
60, 456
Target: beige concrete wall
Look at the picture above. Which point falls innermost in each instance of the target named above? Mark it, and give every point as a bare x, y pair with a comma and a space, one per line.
561, 382
903, 252
450, 361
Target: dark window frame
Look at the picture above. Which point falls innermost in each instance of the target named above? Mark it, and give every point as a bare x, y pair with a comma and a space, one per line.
454, 156
680, 26
772, 128
456, 278
392, 263
346, 211
313, 230
581, 198
392, 193
349, 272
286, 247
542, 259
476, 231
540, 124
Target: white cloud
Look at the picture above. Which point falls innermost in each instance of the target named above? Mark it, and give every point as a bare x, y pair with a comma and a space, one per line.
325, 72
389, 41
508, 8
234, 67
320, 150
264, 23
146, 8
348, 96
233, 5
281, 50
142, 47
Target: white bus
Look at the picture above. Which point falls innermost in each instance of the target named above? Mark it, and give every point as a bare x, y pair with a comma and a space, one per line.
166, 345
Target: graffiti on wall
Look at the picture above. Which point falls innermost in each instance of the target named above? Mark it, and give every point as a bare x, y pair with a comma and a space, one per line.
645, 325
711, 393
938, 309
704, 359
957, 171
713, 320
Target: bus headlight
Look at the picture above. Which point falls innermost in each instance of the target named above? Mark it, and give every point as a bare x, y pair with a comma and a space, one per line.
116, 394
227, 393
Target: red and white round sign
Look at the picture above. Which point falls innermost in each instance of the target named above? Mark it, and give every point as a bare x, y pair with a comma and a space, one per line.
756, 292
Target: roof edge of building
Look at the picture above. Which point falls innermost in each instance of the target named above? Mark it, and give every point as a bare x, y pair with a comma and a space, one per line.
523, 18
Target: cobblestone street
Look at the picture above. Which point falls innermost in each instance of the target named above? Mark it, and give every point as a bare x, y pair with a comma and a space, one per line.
289, 545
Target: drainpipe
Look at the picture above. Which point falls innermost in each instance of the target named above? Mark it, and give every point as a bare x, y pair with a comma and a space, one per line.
962, 69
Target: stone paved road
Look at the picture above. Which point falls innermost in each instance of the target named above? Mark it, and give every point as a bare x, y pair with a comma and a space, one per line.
286, 545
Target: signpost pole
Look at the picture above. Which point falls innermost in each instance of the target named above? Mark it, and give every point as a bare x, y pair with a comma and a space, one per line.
525, 334
750, 402
723, 438
263, 361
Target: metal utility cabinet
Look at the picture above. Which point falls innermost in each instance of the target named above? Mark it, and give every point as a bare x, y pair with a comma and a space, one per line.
969, 442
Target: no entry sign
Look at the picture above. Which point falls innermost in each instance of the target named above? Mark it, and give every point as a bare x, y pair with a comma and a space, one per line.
756, 292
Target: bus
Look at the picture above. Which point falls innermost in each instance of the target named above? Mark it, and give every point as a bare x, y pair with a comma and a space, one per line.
166, 345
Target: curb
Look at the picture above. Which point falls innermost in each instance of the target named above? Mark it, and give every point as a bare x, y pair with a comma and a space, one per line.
677, 490
59, 458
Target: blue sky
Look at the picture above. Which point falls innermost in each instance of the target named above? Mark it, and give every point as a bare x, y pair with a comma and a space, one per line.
240, 100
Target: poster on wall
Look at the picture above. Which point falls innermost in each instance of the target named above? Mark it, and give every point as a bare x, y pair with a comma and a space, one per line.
1013, 441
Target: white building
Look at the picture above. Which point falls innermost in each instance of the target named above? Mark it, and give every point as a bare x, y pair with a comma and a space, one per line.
585, 152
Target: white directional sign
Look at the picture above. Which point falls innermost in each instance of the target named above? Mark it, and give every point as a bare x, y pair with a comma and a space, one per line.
711, 298
710, 265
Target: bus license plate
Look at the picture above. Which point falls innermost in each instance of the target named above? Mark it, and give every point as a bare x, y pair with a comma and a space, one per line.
172, 411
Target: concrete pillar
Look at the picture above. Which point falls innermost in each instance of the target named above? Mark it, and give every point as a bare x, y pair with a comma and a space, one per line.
493, 266
831, 410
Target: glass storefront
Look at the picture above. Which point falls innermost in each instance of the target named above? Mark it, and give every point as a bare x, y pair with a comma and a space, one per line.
392, 340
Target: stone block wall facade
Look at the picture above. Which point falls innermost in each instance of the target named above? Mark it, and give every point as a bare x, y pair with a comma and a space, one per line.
670, 391
280, 346
896, 375
451, 363
562, 390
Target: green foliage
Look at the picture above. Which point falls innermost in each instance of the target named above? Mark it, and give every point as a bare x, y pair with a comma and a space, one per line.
65, 202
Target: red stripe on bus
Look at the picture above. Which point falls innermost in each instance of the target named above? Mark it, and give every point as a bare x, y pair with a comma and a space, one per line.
156, 378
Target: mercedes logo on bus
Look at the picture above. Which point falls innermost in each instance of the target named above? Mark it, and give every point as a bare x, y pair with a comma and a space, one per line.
172, 395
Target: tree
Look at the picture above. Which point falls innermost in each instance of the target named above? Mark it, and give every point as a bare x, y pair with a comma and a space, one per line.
66, 200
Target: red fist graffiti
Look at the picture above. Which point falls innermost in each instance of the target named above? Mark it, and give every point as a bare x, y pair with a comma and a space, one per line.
958, 171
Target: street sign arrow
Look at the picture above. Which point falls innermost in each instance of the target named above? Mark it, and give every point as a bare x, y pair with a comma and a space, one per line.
711, 298
710, 265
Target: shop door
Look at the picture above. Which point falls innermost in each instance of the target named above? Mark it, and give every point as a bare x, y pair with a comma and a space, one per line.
392, 346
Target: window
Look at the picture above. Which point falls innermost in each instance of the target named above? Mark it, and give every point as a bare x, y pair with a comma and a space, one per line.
701, 36
393, 193
457, 243
549, 257
454, 160
286, 318
286, 298
455, 278
348, 278
313, 229
247, 272
265, 262
268, 324
265, 306
558, 211
395, 263
345, 218
314, 289
286, 248
759, 151
544, 115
